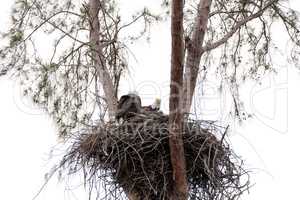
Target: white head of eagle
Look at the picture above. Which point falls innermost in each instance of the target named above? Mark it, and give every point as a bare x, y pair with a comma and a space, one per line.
154, 107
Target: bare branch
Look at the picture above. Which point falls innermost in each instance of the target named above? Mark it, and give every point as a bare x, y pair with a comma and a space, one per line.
237, 27
98, 59
194, 53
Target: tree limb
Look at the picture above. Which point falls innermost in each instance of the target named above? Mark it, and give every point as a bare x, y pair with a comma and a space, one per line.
195, 47
238, 25
194, 53
98, 58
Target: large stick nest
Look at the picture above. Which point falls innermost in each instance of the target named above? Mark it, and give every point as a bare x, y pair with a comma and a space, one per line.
134, 157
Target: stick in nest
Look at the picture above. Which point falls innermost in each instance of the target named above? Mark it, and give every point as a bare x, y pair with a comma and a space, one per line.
134, 156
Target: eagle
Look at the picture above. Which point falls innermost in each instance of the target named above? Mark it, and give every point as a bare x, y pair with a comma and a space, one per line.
128, 106
154, 107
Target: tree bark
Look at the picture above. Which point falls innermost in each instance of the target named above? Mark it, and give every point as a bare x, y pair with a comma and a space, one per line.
180, 188
98, 58
194, 53
102, 71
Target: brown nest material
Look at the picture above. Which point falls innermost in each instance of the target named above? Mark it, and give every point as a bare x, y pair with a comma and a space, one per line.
134, 157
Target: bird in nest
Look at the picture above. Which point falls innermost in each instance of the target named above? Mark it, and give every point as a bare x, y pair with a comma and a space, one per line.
153, 107
129, 105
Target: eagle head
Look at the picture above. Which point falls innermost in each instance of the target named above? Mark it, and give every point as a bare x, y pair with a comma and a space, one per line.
156, 104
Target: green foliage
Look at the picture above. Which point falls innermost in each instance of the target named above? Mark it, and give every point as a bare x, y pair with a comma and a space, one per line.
16, 38
50, 52
63, 80
248, 53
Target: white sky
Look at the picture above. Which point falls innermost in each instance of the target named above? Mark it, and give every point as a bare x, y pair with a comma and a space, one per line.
268, 142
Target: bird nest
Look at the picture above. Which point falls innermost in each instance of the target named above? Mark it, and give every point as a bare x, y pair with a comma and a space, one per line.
134, 157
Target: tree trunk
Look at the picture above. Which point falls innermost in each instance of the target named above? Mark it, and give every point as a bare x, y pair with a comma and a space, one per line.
194, 53
102, 71
98, 58
180, 188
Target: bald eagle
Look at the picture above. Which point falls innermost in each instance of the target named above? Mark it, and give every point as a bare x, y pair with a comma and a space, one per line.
154, 107
128, 106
